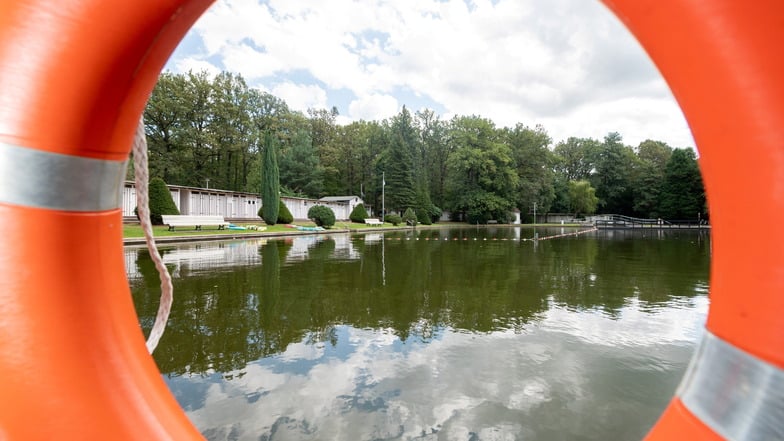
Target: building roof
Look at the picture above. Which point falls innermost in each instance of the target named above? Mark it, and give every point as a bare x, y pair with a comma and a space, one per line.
338, 198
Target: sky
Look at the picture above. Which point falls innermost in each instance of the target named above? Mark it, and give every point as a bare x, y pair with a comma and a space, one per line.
568, 65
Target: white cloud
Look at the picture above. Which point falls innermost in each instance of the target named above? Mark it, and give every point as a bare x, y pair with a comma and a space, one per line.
459, 382
568, 64
301, 97
196, 65
373, 107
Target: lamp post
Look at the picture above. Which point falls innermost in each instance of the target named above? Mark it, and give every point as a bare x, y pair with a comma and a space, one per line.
536, 236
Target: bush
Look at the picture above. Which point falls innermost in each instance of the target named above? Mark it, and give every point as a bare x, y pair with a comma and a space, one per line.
161, 201
505, 217
393, 219
358, 214
409, 217
284, 215
323, 216
423, 217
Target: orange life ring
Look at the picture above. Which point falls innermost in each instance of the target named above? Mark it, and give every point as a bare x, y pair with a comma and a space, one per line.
74, 78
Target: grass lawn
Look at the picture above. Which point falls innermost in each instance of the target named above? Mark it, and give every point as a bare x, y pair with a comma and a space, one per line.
133, 230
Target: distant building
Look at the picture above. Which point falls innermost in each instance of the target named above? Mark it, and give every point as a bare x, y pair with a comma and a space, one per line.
235, 205
346, 202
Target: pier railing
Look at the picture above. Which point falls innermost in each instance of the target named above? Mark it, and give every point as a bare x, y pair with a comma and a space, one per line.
619, 221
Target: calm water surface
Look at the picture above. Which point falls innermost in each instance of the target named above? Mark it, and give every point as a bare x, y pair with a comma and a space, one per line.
459, 334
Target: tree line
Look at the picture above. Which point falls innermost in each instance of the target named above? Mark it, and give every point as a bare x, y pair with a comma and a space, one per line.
210, 131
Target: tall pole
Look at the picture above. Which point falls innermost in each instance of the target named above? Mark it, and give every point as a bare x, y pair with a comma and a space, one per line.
535, 236
383, 184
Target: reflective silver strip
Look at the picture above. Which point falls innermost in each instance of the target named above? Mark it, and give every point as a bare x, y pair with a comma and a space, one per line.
739, 396
35, 178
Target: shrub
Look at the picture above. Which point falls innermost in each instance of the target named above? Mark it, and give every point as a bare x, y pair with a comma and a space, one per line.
358, 214
409, 217
161, 201
423, 217
393, 219
505, 217
323, 216
284, 215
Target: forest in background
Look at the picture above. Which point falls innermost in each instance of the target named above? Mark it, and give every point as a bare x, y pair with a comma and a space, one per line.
205, 130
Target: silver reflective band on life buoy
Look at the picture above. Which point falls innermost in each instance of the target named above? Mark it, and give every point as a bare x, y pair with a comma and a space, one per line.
738, 395
35, 178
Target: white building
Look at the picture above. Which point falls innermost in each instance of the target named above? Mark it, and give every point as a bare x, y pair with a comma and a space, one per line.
234, 205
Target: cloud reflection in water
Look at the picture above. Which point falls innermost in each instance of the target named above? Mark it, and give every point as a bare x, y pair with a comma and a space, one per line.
572, 375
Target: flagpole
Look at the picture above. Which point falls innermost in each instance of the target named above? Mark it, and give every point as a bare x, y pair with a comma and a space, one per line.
383, 184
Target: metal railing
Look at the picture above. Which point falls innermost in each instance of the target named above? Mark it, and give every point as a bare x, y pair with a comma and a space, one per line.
628, 222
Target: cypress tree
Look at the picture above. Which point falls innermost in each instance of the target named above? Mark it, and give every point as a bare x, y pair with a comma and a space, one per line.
270, 182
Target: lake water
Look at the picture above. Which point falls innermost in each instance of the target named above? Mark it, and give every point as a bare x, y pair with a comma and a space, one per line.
451, 334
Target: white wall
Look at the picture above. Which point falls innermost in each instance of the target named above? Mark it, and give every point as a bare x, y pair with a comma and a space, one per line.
232, 205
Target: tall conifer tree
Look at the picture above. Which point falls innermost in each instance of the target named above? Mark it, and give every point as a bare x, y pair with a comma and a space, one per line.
270, 182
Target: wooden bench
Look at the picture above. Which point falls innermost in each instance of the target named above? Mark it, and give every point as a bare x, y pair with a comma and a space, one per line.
197, 221
373, 221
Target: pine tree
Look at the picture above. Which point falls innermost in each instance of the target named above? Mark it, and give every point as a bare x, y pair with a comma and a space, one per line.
682, 195
400, 164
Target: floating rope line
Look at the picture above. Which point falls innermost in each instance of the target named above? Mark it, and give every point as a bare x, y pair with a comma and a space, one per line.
555, 236
141, 174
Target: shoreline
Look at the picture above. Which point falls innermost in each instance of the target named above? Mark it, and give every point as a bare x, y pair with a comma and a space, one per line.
202, 237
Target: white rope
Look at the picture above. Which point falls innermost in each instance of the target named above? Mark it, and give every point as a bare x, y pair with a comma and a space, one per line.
141, 174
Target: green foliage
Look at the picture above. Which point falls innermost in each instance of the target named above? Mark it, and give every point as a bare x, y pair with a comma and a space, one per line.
533, 161
301, 171
483, 181
202, 127
682, 195
505, 218
423, 216
284, 215
410, 217
435, 213
435, 150
613, 178
393, 219
322, 215
358, 214
270, 182
582, 197
561, 204
399, 162
161, 201
575, 158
